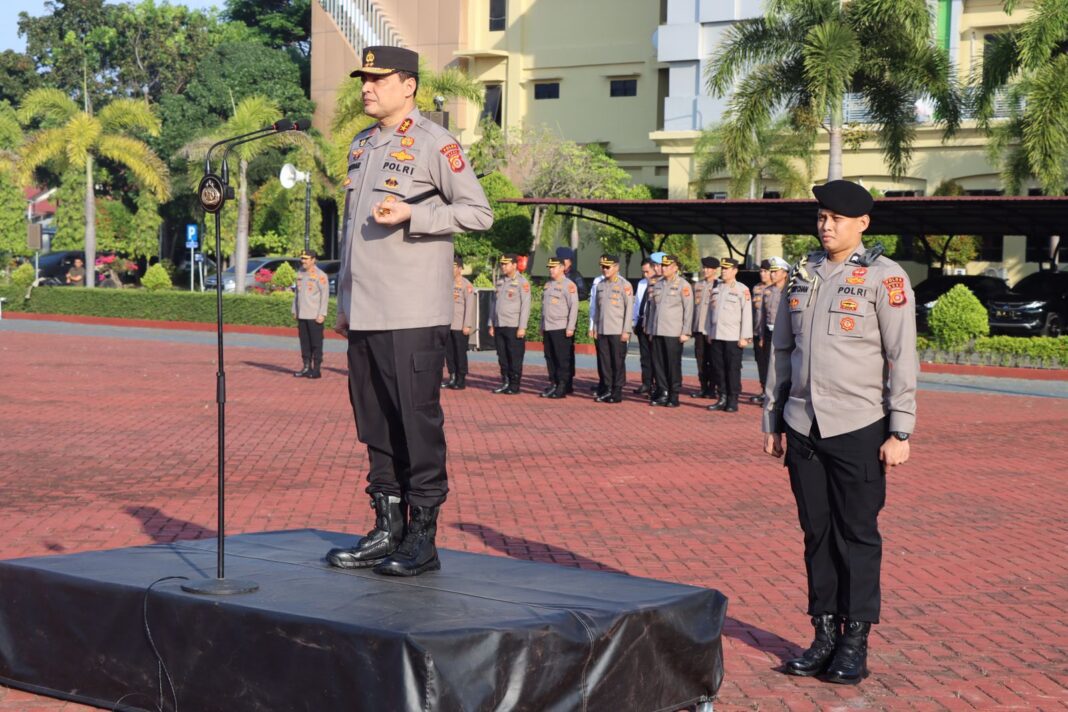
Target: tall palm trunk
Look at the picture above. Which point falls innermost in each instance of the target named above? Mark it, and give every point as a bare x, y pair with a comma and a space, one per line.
90, 225
241, 242
834, 152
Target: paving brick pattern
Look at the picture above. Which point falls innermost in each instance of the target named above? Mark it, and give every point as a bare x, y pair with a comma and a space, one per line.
110, 443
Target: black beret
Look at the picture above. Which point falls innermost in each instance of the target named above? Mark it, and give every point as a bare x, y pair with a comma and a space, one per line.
386, 60
710, 262
765, 264
565, 253
844, 198
458, 261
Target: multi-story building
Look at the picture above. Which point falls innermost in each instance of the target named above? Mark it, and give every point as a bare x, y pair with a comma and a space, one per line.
629, 75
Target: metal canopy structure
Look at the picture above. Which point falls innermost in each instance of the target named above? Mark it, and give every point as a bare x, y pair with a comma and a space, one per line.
965, 215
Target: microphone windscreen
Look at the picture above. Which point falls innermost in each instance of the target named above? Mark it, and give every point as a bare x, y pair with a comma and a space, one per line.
301, 124
282, 125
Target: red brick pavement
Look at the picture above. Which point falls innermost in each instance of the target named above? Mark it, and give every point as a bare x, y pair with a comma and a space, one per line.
110, 443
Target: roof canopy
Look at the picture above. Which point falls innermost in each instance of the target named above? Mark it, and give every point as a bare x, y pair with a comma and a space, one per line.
964, 215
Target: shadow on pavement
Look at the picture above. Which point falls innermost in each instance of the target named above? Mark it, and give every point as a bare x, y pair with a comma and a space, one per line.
164, 529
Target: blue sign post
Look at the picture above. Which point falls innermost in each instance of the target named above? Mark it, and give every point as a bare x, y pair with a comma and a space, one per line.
192, 242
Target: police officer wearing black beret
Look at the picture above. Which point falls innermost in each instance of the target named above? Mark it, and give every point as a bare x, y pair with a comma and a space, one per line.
842, 386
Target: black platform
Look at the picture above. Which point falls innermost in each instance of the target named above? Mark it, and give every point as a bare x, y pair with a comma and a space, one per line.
485, 633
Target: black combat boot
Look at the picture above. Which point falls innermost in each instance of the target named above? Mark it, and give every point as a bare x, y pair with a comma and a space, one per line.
642, 390
560, 391
449, 383
304, 371
672, 400
720, 404
513, 385
545, 392
506, 383
460, 384
732, 405
659, 397
850, 663
314, 371
815, 660
417, 553
381, 541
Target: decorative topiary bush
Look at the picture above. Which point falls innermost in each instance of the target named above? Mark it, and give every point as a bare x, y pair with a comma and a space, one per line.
284, 277
23, 275
958, 318
156, 278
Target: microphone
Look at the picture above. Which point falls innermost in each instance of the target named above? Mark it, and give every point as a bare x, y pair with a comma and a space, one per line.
276, 127
301, 124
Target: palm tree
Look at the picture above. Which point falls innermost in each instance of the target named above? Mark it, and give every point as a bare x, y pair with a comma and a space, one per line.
803, 57
778, 155
10, 139
251, 113
1029, 63
349, 119
73, 137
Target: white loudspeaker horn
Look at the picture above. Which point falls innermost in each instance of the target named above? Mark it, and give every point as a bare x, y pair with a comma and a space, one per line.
290, 176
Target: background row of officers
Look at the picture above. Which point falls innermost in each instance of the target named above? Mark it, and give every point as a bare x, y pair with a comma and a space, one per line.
718, 312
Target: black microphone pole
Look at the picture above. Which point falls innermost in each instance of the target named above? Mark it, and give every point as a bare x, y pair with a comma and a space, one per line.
213, 192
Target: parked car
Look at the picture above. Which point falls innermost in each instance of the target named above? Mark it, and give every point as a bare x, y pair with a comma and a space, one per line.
1037, 306
52, 266
928, 291
255, 264
331, 268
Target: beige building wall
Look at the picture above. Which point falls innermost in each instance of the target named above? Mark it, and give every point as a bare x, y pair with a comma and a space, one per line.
583, 45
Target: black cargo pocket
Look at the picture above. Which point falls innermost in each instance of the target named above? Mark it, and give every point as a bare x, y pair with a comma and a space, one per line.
426, 378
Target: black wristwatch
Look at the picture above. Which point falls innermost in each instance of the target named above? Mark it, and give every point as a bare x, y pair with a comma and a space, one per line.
900, 436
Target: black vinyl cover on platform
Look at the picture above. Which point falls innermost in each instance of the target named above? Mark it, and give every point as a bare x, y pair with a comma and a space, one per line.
486, 633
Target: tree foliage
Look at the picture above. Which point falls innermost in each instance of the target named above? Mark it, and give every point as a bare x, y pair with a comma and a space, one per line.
947, 250
803, 56
510, 231
156, 278
281, 211
18, 75
779, 158
957, 318
1028, 64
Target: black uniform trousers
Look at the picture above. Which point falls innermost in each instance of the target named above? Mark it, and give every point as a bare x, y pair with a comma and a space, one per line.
840, 488
394, 387
456, 352
727, 368
556, 358
311, 340
645, 355
702, 356
611, 364
762, 355
510, 352
667, 364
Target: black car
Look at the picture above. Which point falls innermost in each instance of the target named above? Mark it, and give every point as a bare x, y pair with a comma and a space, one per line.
1037, 306
53, 266
255, 264
928, 291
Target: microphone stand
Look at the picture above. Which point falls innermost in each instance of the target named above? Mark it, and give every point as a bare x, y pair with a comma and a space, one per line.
214, 192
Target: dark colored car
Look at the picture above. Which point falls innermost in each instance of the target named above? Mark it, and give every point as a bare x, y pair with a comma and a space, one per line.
331, 268
928, 291
1037, 306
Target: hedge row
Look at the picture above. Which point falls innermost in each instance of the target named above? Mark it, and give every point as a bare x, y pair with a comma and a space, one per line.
1033, 352
165, 305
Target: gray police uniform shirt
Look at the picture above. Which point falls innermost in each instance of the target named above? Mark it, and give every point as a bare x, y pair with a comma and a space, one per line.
758, 292
400, 277
845, 340
673, 313
772, 297
702, 297
463, 306
559, 305
311, 297
511, 302
730, 316
615, 304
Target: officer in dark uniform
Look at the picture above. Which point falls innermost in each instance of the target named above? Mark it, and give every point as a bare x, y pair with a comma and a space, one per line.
702, 354
396, 333
567, 258
842, 385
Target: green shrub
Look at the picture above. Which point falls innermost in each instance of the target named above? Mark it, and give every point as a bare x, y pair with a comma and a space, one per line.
23, 275
156, 278
1045, 349
284, 277
958, 318
482, 281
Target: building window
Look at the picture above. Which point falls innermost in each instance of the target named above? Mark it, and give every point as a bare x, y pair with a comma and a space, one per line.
491, 107
498, 15
902, 193
547, 90
623, 87
987, 192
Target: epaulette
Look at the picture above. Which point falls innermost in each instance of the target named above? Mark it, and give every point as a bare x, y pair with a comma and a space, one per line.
869, 256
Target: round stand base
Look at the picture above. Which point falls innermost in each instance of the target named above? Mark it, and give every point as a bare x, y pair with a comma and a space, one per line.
220, 587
